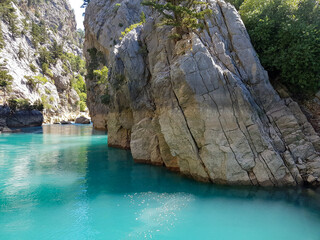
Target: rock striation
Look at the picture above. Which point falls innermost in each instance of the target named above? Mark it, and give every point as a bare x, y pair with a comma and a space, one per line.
202, 105
53, 20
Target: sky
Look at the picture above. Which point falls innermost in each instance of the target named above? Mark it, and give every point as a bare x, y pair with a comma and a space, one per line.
76, 4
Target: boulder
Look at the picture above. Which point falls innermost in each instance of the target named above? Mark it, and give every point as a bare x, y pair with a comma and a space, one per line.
25, 118
83, 120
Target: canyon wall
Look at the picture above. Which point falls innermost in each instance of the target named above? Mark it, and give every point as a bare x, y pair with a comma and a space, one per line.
202, 105
39, 43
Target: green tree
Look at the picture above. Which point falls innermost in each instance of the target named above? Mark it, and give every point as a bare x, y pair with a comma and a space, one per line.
45, 56
38, 33
8, 14
5, 81
2, 43
286, 36
181, 14
21, 52
56, 50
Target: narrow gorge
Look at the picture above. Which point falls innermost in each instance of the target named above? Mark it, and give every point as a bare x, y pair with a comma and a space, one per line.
159, 119
201, 105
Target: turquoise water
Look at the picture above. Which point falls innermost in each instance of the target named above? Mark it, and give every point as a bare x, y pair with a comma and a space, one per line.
64, 183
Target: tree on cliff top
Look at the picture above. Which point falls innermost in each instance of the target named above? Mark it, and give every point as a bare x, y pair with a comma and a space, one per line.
184, 15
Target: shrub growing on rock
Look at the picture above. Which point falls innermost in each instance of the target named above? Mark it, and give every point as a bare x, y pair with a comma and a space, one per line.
19, 104
184, 15
5, 82
133, 26
2, 43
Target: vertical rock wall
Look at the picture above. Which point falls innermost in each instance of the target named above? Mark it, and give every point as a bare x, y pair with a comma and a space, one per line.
202, 106
20, 53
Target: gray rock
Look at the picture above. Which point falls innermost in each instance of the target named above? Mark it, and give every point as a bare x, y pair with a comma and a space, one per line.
82, 120
25, 118
203, 105
58, 15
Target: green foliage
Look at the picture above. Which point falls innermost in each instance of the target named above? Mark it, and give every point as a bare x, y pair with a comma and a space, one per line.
47, 91
5, 80
116, 7
38, 33
65, 69
46, 70
96, 58
37, 14
56, 50
21, 52
105, 98
101, 75
45, 67
45, 56
2, 43
79, 85
24, 104
286, 35
25, 25
8, 14
83, 106
181, 14
33, 68
46, 104
76, 62
133, 26
236, 3
38, 105
33, 82
118, 80
19, 104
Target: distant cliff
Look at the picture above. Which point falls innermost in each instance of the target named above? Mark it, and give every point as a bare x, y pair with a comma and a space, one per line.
201, 105
40, 57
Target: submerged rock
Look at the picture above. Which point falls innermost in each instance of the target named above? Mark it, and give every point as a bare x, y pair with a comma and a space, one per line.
202, 105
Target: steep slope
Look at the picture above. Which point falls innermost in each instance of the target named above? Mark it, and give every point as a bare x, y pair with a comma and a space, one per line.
202, 105
41, 51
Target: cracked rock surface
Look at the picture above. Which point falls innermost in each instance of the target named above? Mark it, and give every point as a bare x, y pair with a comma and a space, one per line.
203, 105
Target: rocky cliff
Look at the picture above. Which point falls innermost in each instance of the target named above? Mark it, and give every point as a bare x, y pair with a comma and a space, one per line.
40, 49
202, 105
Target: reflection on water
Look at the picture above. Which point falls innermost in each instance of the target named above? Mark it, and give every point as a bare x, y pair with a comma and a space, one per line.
63, 182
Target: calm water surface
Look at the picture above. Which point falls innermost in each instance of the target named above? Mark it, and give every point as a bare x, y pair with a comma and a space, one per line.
64, 183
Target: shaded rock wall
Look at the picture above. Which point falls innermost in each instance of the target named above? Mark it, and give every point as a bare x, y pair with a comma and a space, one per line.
19, 119
203, 106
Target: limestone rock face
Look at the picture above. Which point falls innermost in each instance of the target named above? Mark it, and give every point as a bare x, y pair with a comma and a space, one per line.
20, 57
19, 119
203, 105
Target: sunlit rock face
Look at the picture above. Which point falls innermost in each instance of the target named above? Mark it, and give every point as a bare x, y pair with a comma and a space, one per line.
202, 106
19, 54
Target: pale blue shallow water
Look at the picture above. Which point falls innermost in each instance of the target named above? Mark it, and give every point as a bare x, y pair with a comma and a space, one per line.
64, 183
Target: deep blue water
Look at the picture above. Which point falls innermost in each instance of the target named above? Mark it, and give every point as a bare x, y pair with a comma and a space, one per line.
64, 183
